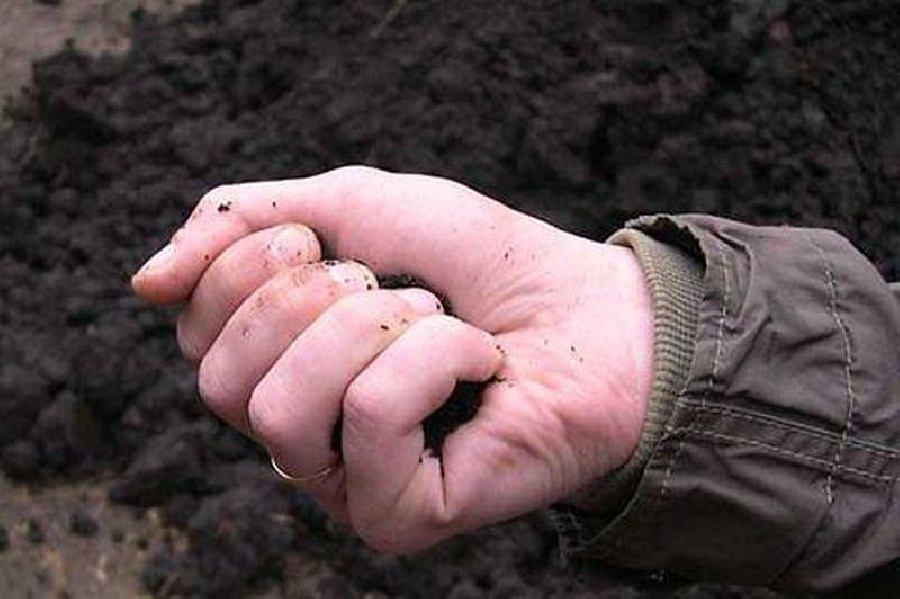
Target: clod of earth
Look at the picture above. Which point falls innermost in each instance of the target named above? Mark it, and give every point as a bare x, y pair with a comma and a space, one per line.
83, 525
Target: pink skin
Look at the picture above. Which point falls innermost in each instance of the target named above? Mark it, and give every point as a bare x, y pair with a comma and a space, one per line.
286, 344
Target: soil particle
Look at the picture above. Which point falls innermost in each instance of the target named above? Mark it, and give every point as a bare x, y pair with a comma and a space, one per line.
33, 532
81, 524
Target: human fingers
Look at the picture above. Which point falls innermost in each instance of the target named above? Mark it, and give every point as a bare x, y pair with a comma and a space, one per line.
294, 409
234, 275
395, 489
394, 222
265, 325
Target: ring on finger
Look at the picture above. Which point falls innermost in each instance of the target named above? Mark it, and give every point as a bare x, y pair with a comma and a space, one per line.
317, 476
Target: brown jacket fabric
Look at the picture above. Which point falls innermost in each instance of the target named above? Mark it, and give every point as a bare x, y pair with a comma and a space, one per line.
770, 451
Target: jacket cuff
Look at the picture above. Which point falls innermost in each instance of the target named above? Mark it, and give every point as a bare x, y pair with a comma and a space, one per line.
775, 460
675, 279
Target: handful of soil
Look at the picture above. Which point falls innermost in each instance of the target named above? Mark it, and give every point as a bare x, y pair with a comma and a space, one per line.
463, 403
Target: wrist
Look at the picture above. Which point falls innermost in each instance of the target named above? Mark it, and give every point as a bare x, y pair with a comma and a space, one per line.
637, 342
673, 283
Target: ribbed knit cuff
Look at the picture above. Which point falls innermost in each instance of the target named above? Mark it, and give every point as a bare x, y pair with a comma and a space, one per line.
676, 287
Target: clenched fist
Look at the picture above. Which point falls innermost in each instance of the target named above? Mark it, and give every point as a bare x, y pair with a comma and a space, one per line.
291, 345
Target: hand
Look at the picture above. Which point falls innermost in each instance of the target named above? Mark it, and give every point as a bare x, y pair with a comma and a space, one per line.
290, 346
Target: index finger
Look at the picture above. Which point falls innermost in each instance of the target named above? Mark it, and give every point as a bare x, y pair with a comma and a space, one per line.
392, 222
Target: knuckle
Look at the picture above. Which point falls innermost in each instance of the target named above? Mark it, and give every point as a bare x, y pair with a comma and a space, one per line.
380, 530
440, 325
212, 387
225, 277
442, 331
363, 314
360, 309
275, 295
216, 193
190, 347
275, 299
264, 418
222, 199
350, 180
346, 311
362, 403
355, 172
212, 197
180, 233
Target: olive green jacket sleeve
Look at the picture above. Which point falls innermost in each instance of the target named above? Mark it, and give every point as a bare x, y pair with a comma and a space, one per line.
770, 450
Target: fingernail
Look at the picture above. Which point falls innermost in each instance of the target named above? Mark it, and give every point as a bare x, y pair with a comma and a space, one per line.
159, 259
351, 274
422, 301
291, 245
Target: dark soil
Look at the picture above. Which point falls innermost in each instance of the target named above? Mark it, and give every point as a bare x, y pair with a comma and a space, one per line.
769, 111
462, 405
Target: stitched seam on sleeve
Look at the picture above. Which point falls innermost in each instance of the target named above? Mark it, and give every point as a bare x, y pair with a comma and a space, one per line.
723, 263
670, 467
848, 365
673, 461
780, 450
773, 422
664, 489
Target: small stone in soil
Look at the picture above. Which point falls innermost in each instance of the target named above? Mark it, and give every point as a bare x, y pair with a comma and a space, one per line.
33, 532
83, 525
154, 576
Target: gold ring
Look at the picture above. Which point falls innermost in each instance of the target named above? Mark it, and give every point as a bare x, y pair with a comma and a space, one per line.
319, 475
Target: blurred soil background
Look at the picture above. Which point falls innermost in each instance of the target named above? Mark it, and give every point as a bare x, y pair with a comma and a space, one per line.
50, 544
34, 29
114, 481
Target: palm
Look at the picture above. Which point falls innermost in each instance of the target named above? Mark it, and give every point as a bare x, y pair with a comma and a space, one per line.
568, 401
